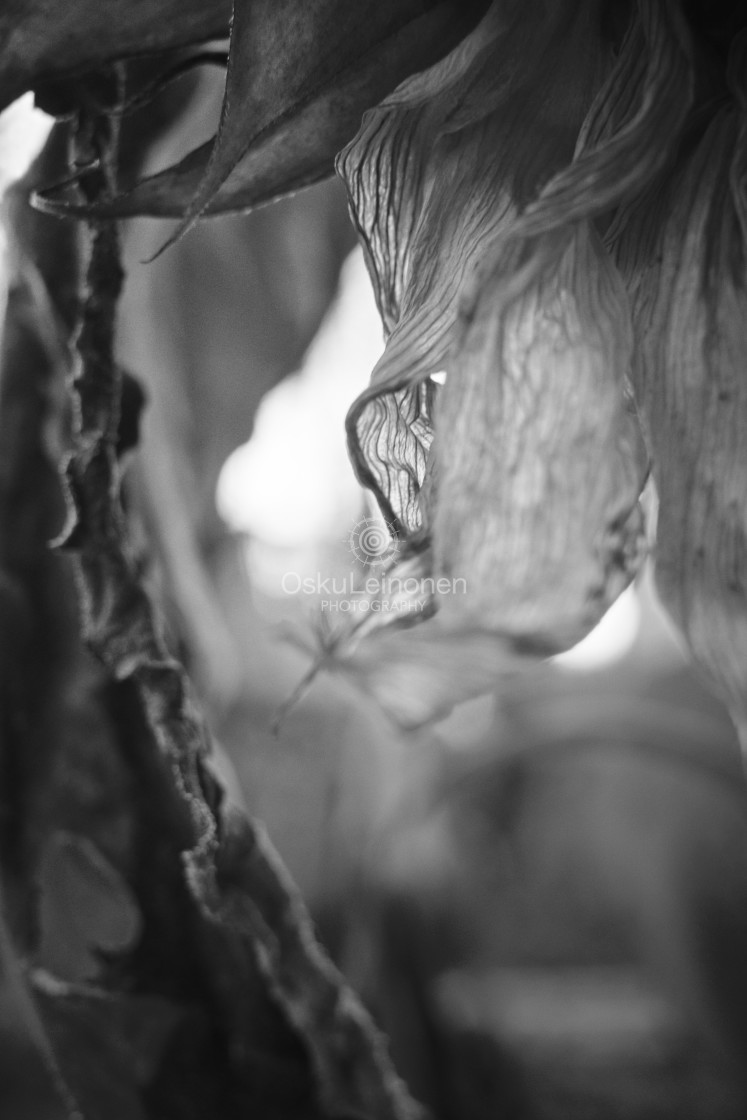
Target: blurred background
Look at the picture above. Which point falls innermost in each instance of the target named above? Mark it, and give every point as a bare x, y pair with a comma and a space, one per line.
543, 898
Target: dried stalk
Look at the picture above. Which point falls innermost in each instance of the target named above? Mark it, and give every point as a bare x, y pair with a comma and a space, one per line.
234, 874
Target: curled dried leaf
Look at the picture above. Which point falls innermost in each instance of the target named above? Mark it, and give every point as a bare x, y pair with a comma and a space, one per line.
535, 526
436, 172
478, 188
482, 146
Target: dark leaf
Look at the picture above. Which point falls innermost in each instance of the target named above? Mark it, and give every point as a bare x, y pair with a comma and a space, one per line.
84, 906
107, 1047
299, 78
45, 41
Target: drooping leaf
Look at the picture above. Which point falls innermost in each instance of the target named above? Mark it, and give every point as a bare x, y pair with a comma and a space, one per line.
44, 41
535, 526
682, 249
474, 187
540, 467
436, 171
299, 78
457, 153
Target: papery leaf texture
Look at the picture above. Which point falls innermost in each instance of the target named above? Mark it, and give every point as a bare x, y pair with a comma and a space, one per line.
451, 160
682, 249
499, 433
539, 476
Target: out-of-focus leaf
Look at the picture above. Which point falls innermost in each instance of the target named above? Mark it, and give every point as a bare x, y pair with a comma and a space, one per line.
417, 674
84, 906
107, 1047
299, 78
682, 248
43, 40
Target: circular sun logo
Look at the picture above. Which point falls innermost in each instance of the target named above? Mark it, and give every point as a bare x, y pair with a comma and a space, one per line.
373, 542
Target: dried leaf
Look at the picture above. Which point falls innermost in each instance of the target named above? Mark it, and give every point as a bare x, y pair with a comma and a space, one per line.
539, 476
535, 526
427, 193
299, 78
429, 154
248, 909
45, 41
520, 475
682, 248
